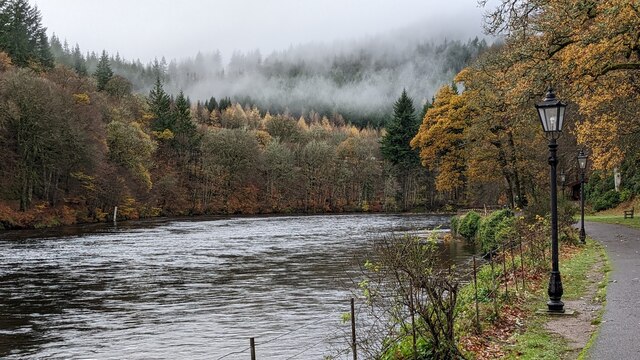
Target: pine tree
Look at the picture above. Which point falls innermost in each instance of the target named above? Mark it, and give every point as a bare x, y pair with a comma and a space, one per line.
22, 35
396, 148
79, 64
403, 127
212, 104
160, 105
186, 139
103, 72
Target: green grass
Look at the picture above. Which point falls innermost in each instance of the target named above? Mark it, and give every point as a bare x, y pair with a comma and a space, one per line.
615, 219
536, 342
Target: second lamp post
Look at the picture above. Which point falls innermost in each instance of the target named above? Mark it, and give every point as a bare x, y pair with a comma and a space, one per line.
551, 113
582, 162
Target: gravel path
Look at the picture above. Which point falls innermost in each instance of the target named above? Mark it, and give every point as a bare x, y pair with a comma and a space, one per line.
619, 336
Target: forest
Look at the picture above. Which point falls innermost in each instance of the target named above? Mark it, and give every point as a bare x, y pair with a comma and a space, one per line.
83, 133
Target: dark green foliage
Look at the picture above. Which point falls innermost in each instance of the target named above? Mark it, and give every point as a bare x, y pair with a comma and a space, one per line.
79, 64
490, 226
103, 72
186, 139
455, 224
160, 106
469, 226
211, 104
600, 190
224, 103
607, 200
395, 145
22, 35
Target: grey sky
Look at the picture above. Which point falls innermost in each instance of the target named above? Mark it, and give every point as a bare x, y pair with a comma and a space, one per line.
146, 29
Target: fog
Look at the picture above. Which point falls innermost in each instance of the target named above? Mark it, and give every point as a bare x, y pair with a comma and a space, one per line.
360, 78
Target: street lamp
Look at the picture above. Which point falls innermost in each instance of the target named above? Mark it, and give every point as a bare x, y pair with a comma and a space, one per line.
582, 162
551, 113
563, 178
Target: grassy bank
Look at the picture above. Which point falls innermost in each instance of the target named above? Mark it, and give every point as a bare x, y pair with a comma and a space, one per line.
614, 219
536, 341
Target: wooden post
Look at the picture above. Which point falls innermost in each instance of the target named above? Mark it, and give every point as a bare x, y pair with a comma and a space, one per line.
524, 276
252, 345
353, 330
504, 270
413, 322
115, 214
475, 285
513, 267
494, 289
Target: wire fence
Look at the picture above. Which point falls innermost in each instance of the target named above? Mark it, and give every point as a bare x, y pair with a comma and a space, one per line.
496, 278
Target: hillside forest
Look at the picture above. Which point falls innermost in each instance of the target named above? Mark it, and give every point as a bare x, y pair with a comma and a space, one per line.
83, 133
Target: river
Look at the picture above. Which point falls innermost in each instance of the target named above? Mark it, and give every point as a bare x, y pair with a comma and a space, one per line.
190, 289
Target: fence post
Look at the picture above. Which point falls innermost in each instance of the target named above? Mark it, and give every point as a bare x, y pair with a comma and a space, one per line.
353, 330
475, 285
513, 266
494, 289
252, 345
524, 276
504, 269
413, 321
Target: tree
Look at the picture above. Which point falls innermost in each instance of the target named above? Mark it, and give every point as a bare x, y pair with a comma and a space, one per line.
79, 63
186, 140
441, 140
103, 72
22, 35
131, 148
160, 106
395, 144
589, 51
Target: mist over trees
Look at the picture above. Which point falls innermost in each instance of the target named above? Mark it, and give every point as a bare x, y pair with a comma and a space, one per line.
359, 79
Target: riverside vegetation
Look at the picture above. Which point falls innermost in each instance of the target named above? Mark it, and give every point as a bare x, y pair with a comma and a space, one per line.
424, 310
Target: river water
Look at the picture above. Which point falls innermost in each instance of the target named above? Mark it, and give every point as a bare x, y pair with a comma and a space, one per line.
190, 289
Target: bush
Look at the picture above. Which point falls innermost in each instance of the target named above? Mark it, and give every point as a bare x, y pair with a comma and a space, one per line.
468, 226
607, 200
490, 226
455, 222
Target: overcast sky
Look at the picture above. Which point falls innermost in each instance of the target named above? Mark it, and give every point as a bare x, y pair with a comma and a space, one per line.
146, 29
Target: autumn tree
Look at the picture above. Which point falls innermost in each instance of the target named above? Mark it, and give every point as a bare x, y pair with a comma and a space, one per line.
42, 142
589, 50
441, 141
132, 148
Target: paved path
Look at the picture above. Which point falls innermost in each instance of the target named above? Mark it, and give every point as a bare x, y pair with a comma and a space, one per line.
619, 336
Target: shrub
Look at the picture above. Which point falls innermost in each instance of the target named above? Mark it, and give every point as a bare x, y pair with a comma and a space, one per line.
607, 200
455, 223
490, 226
468, 226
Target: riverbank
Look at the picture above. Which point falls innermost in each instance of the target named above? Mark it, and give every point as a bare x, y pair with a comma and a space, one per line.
522, 333
45, 217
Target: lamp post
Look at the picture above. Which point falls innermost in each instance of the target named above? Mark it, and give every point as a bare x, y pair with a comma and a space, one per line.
563, 178
582, 162
551, 113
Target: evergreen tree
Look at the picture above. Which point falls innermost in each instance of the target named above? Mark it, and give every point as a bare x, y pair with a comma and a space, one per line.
79, 64
396, 148
160, 105
22, 35
103, 72
186, 139
212, 104
401, 129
